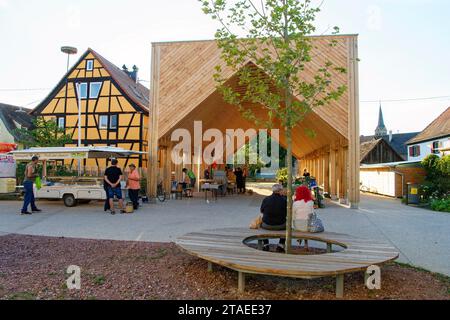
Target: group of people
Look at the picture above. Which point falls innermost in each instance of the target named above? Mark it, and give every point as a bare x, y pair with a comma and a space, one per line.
274, 208
112, 185
238, 176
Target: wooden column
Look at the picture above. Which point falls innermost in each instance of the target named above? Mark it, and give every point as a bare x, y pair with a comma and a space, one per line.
321, 169
344, 178
167, 169
333, 176
353, 125
326, 172
153, 132
343, 169
339, 172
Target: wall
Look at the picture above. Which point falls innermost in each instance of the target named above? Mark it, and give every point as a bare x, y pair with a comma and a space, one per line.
388, 180
425, 148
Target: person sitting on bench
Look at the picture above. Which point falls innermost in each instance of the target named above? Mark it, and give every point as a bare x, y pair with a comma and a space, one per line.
273, 209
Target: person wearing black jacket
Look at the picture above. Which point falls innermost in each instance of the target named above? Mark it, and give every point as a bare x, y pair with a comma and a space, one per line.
273, 209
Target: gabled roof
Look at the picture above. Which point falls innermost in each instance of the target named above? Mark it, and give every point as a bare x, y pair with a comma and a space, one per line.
368, 146
398, 142
437, 129
188, 92
135, 91
13, 115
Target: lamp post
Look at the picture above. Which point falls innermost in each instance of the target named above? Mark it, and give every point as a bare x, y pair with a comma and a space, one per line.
68, 50
71, 51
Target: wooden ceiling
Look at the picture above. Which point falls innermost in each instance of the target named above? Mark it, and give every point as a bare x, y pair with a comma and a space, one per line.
187, 93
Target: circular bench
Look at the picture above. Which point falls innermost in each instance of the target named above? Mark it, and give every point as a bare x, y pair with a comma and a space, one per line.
228, 247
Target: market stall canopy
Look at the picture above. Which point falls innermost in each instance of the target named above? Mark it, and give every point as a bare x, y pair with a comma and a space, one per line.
60, 153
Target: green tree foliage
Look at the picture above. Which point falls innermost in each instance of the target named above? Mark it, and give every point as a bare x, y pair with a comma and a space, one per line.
45, 133
266, 44
282, 176
251, 152
437, 182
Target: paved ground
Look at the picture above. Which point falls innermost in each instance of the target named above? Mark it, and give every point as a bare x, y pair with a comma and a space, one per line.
421, 236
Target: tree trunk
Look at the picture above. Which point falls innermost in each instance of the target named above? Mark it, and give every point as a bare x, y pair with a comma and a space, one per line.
289, 190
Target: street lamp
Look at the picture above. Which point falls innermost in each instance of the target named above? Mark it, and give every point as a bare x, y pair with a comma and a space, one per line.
68, 50
71, 51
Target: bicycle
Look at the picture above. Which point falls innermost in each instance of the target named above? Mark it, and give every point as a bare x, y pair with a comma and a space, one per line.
161, 193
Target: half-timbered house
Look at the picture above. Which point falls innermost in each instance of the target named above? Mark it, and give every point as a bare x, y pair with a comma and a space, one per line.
114, 107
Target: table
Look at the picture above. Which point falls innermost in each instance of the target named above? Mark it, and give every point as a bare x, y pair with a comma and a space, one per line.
213, 188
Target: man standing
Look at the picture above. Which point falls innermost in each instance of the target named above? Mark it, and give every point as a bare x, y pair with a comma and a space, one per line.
274, 210
30, 177
133, 184
113, 176
239, 180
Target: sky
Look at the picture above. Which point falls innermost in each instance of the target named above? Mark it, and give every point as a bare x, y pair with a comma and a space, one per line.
404, 47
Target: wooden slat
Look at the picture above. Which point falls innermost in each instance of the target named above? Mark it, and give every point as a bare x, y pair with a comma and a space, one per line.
226, 247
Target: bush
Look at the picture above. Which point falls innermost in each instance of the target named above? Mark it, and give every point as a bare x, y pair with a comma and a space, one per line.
282, 176
437, 182
442, 205
444, 165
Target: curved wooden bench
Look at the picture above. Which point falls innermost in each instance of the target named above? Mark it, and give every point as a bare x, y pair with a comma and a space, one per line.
226, 247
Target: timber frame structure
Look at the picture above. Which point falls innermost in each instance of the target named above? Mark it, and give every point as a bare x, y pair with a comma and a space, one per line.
183, 91
110, 93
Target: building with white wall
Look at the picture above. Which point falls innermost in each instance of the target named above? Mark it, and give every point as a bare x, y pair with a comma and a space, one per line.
432, 140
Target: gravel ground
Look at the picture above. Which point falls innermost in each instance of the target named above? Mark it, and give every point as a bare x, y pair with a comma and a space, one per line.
33, 267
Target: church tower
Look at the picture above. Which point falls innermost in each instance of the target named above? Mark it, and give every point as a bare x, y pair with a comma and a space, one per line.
381, 130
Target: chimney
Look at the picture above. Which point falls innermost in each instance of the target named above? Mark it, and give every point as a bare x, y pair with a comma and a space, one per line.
134, 73
390, 136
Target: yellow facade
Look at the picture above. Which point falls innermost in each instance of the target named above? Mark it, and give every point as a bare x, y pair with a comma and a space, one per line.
109, 117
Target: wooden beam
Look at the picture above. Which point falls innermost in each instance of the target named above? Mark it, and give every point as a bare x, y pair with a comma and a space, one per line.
327, 172
167, 167
241, 282
153, 133
340, 286
353, 125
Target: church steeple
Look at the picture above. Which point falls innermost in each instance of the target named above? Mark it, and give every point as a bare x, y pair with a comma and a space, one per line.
381, 130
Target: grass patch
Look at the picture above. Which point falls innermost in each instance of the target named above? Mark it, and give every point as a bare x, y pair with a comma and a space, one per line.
25, 295
99, 279
160, 253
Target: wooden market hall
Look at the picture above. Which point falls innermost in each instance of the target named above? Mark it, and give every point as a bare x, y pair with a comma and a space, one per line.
183, 91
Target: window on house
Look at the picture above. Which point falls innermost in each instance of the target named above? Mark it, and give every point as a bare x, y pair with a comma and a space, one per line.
113, 121
89, 65
436, 146
103, 122
61, 121
94, 90
414, 151
82, 90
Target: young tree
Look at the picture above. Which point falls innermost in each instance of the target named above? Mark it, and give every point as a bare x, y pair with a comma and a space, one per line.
45, 133
267, 45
